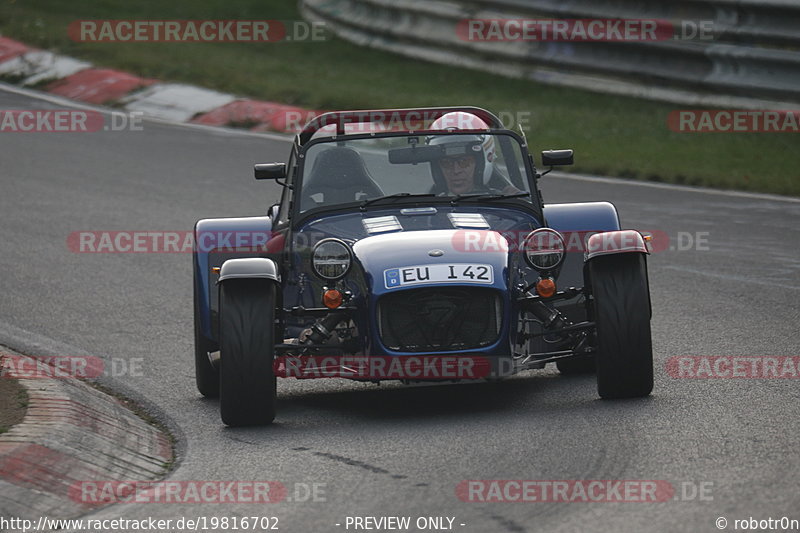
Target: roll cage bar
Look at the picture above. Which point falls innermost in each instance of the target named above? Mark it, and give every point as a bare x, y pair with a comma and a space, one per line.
404, 116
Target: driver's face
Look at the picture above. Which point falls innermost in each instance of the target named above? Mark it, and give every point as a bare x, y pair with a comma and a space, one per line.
459, 173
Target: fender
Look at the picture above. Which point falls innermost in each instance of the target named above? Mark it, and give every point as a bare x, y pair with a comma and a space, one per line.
582, 216
575, 221
615, 242
249, 268
215, 242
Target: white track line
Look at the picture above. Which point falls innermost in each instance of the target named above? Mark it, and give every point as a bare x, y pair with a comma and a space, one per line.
675, 187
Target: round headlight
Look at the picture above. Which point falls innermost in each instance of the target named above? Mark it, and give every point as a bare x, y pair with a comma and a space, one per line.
331, 259
544, 249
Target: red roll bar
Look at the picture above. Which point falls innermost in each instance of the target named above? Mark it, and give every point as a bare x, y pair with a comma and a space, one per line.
392, 116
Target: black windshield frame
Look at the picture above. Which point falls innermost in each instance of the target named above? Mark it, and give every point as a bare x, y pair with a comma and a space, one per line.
504, 137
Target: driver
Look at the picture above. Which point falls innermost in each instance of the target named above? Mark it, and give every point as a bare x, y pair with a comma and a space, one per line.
467, 162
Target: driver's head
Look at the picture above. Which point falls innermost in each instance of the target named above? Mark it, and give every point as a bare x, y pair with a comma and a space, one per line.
458, 172
467, 161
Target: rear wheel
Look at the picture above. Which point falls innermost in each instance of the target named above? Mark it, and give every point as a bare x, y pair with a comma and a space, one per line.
622, 314
248, 391
206, 376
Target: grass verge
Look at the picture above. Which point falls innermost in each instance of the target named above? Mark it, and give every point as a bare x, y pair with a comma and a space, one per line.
611, 135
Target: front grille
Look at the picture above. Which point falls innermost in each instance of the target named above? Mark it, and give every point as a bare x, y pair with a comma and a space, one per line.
439, 319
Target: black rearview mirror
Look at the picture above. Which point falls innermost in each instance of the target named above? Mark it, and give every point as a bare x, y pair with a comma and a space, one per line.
414, 155
555, 158
270, 171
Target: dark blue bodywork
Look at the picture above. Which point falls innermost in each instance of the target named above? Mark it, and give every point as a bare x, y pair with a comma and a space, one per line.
421, 231
396, 243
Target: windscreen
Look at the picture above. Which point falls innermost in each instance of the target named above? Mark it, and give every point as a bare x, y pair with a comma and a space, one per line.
446, 165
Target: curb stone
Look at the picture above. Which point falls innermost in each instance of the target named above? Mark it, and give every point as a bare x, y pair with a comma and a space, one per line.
73, 432
79, 80
98, 86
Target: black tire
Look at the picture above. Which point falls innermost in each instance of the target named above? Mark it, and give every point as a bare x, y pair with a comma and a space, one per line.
622, 313
205, 375
248, 391
576, 365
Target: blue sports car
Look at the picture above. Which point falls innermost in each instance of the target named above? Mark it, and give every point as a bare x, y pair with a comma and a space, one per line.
414, 245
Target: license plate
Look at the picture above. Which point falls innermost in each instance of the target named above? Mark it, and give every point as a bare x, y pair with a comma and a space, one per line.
439, 273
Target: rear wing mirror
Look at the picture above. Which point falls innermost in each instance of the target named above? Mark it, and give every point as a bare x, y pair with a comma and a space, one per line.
555, 158
270, 171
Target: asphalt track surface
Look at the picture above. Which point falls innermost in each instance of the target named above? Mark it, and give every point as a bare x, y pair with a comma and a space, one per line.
401, 451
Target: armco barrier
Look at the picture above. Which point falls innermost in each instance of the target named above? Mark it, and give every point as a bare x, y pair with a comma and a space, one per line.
752, 58
766, 22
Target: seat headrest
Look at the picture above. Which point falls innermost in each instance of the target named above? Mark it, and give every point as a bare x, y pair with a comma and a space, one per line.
339, 167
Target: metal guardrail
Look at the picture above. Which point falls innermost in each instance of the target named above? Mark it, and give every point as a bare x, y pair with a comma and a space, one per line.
765, 22
751, 60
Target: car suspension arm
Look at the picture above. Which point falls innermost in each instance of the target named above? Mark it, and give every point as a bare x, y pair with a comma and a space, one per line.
323, 328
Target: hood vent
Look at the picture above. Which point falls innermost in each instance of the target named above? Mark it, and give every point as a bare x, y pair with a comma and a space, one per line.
413, 211
377, 225
468, 220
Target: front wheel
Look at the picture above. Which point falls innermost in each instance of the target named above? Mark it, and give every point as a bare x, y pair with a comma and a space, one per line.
248, 391
622, 314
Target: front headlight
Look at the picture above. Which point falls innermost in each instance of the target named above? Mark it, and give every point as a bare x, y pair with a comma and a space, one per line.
544, 249
331, 259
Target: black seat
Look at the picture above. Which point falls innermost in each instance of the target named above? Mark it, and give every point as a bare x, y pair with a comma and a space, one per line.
341, 176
